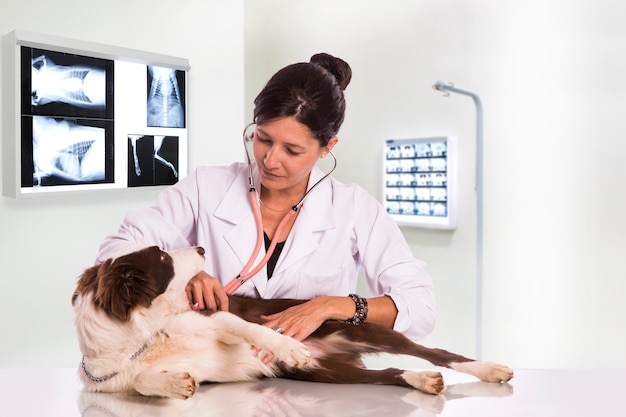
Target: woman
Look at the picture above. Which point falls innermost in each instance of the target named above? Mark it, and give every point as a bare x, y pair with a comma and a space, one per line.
337, 230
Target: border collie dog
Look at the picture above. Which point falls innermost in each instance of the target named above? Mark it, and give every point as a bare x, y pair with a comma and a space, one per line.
138, 334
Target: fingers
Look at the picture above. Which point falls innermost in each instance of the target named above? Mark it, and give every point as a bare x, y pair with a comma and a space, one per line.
299, 321
297, 327
272, 321
222, 299
205, 292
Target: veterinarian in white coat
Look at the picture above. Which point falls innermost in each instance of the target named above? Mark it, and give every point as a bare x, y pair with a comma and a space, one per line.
337, 230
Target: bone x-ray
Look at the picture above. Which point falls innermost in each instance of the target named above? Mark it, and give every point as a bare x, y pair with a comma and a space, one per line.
152, 160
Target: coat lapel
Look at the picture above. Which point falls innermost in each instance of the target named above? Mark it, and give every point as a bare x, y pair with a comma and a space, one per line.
315, 217
235, 209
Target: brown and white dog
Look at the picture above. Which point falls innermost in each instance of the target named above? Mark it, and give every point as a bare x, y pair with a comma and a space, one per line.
137, 333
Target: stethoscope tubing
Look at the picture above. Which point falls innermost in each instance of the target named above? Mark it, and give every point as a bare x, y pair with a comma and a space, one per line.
245, 273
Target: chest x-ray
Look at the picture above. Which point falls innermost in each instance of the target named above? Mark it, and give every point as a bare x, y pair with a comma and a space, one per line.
61, 84
165, 103
66, 153
77, 85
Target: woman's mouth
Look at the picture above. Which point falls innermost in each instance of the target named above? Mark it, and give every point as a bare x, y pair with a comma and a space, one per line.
268, 174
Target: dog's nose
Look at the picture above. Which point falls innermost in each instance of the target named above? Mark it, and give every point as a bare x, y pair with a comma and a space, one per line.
201, 250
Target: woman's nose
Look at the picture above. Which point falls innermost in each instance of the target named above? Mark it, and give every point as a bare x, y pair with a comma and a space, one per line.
271, 158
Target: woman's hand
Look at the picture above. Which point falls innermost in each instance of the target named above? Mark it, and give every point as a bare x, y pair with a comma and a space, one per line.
206, 293
302, 320
298, 322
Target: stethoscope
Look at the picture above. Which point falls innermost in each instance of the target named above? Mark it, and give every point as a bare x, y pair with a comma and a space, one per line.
248, 271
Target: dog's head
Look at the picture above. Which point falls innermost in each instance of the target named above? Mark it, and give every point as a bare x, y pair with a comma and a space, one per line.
120, 285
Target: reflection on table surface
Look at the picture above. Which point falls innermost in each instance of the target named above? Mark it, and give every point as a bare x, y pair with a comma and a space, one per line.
536, 393
280, 397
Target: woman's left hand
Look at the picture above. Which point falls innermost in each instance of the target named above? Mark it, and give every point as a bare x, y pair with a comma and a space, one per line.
302, 320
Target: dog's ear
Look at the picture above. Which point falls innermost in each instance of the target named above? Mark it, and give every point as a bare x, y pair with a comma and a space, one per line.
88, 282
121, 288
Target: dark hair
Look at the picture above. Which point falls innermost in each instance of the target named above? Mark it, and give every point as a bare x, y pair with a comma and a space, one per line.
311, 92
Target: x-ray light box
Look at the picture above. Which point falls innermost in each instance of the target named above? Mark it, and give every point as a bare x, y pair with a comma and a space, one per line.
81, 116
419, 181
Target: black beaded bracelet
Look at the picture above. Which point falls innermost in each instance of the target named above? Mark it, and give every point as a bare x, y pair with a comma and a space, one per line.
360, 314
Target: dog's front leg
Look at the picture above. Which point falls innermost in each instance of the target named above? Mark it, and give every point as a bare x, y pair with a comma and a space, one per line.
165, 384
232, 330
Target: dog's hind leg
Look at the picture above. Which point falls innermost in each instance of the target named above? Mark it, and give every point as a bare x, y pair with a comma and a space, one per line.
485, 371
376, 339
344, 369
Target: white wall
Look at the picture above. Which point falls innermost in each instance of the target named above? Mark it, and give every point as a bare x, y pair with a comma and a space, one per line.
551, 78
46, 242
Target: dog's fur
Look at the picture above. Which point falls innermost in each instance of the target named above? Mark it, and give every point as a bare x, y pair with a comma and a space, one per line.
138, 334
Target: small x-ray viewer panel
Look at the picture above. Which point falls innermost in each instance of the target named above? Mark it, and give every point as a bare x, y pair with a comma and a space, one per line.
419, 180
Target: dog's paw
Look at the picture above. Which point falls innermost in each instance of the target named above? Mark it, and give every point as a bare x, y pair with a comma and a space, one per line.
166, 384
497, 373
292, 352
182, 385
425, 381
485, 371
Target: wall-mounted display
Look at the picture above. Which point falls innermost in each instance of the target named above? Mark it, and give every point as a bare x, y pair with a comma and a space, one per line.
81, 116
419, 181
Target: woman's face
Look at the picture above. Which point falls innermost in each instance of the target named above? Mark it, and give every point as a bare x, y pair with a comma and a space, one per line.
285, 151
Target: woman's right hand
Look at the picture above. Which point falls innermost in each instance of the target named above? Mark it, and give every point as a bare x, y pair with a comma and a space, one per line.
206, 293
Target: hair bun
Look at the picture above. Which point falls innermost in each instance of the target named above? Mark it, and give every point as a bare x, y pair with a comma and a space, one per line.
336, 66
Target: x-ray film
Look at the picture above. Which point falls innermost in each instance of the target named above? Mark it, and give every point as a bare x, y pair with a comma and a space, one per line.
90, 116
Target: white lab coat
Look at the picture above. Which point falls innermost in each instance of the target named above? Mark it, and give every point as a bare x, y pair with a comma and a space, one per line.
340, 229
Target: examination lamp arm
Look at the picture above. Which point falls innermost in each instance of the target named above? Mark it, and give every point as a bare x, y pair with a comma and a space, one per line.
441, 86
447, 88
